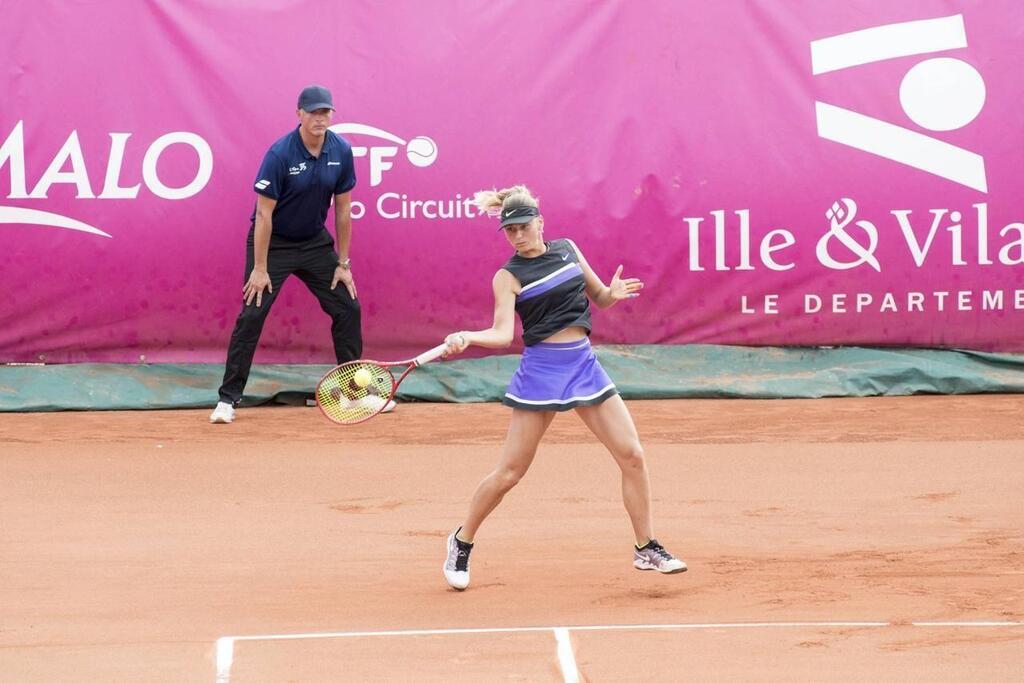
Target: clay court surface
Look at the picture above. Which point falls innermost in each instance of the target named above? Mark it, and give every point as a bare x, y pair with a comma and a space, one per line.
849, 539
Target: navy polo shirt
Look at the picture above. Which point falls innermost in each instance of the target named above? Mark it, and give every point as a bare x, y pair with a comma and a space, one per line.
302, 184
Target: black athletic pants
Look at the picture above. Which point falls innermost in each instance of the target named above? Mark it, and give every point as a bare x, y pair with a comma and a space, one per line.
313, 262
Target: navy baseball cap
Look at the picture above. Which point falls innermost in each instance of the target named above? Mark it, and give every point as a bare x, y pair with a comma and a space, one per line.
315, 97
517, 215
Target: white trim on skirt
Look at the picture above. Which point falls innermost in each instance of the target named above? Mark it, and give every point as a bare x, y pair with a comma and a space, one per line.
560, 401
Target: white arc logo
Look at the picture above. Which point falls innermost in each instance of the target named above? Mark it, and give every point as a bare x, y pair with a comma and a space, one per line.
421, 151
20, 216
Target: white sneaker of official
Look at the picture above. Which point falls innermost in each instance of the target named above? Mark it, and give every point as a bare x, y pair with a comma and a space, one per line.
223, 414
373, 402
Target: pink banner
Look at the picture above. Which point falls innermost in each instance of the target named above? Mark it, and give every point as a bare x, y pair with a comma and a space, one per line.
799, 173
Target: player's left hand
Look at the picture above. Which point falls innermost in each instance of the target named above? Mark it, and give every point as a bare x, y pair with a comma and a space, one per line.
628, 288
344, 276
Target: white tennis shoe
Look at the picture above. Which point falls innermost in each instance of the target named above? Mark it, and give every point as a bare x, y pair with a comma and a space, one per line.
654, 556
456, 564
223, 414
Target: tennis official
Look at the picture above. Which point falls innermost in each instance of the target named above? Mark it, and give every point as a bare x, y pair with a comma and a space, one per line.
297, 180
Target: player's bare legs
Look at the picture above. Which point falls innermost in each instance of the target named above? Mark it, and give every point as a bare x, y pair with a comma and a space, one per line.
524, 434
612, 424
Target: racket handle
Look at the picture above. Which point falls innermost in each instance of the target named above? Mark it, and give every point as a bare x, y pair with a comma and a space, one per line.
432, 354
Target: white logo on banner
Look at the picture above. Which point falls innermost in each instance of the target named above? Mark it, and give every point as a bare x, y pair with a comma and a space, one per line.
12, 155
421, 152
841, 215
938, 94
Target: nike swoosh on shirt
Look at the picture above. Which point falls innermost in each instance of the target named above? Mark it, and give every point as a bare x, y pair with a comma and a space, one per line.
334, 163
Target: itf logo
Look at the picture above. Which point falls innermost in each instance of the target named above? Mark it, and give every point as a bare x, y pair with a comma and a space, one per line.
421, 150
938, 94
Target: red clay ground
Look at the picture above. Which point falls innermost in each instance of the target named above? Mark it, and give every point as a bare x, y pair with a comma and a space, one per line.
130, 542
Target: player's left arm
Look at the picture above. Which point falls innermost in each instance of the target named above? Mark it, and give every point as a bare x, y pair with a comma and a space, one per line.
603, 295
343, 229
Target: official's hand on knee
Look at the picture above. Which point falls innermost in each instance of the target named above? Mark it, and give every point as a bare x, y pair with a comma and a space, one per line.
344, 276
255, 286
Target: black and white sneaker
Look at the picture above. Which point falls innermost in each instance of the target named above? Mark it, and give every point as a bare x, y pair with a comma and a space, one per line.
654, 556
456, 566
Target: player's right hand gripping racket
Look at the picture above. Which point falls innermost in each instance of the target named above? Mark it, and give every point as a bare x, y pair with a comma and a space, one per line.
354, 392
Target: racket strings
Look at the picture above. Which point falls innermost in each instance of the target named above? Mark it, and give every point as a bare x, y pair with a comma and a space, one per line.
344, 401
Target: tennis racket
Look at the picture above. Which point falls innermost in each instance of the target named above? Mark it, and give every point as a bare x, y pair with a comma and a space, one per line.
354, 392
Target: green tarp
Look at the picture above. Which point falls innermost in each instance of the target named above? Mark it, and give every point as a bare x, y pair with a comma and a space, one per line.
647, 371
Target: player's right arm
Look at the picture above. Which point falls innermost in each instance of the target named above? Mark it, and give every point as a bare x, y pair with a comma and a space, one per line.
259, 280
499, 334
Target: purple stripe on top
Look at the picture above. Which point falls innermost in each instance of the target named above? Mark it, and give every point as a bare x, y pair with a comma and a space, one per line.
548, 283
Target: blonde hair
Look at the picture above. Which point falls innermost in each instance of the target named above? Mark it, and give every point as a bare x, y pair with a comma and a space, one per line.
494, 202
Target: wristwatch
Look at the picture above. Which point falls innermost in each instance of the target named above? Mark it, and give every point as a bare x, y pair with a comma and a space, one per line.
345, 263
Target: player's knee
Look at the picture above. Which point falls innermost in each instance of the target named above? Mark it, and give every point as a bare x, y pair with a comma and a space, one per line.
632, 457
508, 477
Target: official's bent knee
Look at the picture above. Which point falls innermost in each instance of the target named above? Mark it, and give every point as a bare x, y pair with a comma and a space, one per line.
340, 303
250, 318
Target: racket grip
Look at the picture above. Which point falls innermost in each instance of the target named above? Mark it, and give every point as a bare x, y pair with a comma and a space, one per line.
432, 354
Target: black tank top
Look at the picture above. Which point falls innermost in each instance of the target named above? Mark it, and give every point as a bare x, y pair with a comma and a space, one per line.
553, 295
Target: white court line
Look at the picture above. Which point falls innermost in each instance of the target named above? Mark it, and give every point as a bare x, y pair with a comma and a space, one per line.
225, 656
566, 660
967, 624
534, 629
225, 645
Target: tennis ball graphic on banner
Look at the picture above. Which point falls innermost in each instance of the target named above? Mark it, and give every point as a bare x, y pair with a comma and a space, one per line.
362, 378
942, 94
422, 151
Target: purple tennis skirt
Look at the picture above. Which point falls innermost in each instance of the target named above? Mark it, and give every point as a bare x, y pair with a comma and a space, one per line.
559, 376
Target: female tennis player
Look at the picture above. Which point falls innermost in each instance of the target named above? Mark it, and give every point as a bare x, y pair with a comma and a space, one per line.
548, 285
